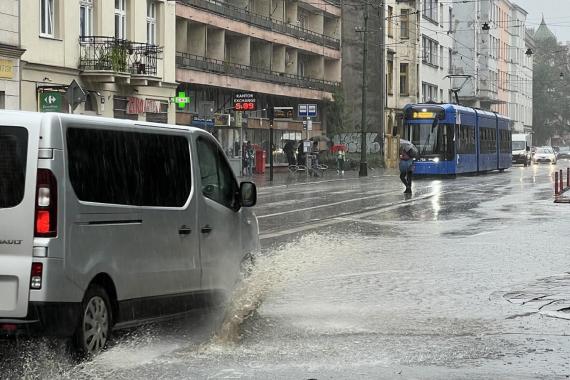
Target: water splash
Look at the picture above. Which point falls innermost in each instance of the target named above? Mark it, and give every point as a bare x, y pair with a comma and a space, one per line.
269, 274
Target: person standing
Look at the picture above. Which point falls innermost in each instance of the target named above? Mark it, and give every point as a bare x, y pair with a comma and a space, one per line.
406, 170
249, 156
340, 156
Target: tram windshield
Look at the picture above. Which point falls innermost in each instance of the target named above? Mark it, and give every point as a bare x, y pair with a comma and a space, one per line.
432, 140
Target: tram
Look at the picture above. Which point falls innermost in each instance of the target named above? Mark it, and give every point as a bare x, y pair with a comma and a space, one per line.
453, 139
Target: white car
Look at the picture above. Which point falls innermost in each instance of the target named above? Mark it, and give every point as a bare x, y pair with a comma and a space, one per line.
544, 154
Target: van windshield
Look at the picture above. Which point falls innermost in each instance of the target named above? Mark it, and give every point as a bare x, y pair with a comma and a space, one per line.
519, 145
13, 156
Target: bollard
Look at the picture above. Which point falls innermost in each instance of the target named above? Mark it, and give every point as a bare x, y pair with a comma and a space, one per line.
568, 177
555, 183
561, 187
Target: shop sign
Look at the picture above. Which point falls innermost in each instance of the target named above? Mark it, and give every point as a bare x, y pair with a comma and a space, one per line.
245, 101
138, 105
50, 101
6, 69
221, 120
282, 112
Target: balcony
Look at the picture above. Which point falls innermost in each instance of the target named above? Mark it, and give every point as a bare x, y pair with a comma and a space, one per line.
191, 61
109, 60
233, 12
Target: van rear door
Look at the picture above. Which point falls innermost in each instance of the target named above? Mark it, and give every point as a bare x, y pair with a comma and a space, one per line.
18, 167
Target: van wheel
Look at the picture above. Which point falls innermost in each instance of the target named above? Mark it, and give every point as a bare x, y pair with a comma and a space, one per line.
94, 327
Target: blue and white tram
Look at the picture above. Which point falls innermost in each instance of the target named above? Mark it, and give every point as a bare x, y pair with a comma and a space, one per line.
454, 139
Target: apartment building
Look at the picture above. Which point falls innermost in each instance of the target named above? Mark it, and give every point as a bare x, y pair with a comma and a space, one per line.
492, 49
285, 52
119, 55
10, 53
436, 50
403, 39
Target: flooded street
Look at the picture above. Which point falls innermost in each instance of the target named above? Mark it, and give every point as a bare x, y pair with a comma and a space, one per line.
466, 278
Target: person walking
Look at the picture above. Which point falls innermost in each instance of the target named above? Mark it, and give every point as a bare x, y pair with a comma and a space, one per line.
249, 157
340, 156
406, 170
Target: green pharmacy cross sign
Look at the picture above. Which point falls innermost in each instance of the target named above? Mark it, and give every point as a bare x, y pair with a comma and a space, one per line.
181, 99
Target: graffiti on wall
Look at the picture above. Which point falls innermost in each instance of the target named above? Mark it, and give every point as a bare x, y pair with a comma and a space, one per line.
352, 141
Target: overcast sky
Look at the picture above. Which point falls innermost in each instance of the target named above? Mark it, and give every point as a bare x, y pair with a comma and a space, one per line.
556, 15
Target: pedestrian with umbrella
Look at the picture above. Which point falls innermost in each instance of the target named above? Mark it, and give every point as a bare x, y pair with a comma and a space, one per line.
408, 152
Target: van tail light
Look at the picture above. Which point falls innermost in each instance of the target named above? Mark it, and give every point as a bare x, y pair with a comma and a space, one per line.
36, 278
46, 204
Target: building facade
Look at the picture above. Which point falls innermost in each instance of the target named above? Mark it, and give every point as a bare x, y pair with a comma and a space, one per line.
492, 48
436, 51
284, 52
10, 53
121, 55
402, 46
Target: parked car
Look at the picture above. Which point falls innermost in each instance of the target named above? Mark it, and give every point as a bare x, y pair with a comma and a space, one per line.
109, 223
564, 153
544, 154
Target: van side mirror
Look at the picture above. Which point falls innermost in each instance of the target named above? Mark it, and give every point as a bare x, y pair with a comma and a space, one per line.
248, 194
528, 148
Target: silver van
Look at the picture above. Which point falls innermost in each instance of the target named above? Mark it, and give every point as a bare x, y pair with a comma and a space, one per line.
108, 223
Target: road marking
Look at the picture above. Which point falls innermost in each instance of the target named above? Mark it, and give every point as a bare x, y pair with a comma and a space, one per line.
325, 205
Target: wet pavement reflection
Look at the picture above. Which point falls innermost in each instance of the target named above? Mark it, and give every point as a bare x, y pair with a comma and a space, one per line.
465, 278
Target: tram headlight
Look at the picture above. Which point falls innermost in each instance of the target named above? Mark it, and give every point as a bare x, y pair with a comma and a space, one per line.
436, 160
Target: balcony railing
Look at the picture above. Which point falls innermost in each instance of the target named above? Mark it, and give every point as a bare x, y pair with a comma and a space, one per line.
265, 22
99, 53
185, 60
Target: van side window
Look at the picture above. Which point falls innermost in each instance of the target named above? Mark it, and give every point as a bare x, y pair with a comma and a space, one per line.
218, 182
13, 157
129, 168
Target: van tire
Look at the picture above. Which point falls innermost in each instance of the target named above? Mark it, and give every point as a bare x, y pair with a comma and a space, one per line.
96, 307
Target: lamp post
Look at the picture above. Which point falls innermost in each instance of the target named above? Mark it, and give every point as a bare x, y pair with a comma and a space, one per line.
363, 164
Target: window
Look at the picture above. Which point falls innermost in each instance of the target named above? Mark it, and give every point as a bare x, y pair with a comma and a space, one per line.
441, 57
151, 22
159, 117
429, 92
129, 168
47, 18
390, 21
2, 100
120, 109
86, 18
218, 182
404, 90
430, 10
13, 158
450, 19
121, 19
441, 15
430, 48
466, 139
405, 23
390, 76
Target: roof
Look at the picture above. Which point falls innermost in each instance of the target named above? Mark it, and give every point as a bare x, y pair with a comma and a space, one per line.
543, 32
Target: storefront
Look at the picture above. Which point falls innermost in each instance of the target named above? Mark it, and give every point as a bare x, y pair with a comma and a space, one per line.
211, 109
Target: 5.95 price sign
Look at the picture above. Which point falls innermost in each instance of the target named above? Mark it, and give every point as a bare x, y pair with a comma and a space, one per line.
245, 101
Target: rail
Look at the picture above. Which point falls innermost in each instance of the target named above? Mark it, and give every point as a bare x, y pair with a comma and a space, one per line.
186, 60
121, 56
240, 14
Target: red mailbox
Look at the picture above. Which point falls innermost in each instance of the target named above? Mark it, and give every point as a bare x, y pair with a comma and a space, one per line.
260, 156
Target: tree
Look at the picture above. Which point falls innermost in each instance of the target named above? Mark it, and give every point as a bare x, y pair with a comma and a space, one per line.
551, 91
334, 113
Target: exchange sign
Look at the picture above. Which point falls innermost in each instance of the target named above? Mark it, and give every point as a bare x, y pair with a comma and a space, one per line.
245, 101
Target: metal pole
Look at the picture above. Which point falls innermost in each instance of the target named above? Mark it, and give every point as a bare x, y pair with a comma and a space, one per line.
363, 164
383, 79
270, 150
241, 140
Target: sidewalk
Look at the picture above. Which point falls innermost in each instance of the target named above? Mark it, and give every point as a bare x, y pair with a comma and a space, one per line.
282, 177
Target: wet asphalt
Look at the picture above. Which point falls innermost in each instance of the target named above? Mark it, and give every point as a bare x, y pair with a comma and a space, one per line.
466, 278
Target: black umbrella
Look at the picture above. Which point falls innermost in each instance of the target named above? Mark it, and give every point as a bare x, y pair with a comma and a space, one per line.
407, 146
